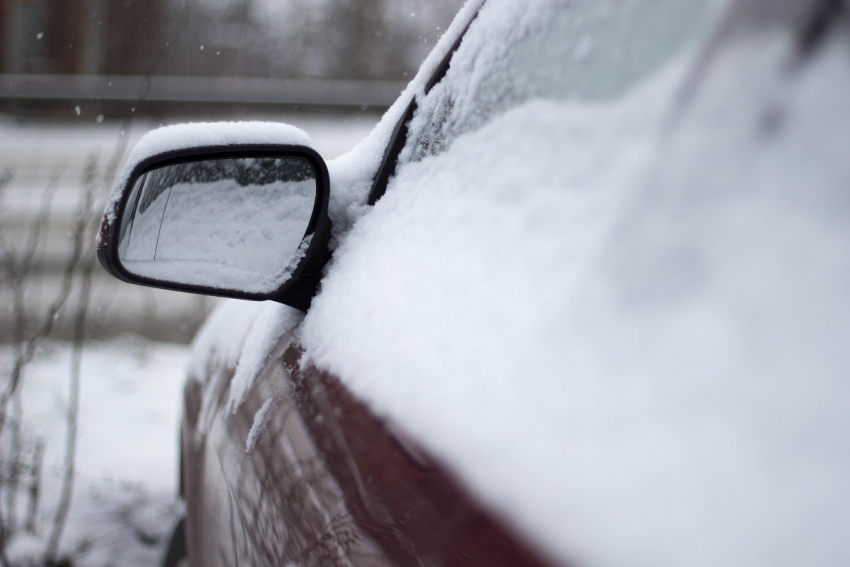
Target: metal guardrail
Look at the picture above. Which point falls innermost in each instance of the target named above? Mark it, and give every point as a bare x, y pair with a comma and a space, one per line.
200, 89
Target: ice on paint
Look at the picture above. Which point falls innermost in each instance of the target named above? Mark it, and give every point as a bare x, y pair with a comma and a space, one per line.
259, 424
232, 347
274, 323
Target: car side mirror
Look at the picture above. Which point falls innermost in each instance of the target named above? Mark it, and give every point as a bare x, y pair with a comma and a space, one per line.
246, 221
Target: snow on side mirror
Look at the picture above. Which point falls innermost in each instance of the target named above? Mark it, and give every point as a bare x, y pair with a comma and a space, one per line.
247, 221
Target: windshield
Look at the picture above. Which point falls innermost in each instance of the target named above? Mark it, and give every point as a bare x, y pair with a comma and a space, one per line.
565, 50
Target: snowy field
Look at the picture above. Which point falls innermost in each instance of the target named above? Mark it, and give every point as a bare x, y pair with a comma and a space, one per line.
125, 487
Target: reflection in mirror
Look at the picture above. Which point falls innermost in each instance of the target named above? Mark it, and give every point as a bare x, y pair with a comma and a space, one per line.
236, 224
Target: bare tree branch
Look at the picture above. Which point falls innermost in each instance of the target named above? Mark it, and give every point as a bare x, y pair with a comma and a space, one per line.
34, 485
80, 315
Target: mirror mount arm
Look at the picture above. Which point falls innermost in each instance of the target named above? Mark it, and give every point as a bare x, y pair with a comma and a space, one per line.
304, 288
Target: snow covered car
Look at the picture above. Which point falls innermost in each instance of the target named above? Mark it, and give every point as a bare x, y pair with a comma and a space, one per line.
581, 298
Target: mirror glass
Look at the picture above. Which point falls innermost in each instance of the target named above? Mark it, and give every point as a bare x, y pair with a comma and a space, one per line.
231, 224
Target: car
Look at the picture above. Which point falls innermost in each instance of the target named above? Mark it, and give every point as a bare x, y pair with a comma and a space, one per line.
580, 298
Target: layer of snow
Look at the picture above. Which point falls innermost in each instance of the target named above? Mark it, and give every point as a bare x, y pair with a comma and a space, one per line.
125, 489
625, 331
194, 135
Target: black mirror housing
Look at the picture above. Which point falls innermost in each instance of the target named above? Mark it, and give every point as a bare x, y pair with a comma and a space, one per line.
305, 271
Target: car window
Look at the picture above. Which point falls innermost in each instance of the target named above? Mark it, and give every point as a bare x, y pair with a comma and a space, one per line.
569, 50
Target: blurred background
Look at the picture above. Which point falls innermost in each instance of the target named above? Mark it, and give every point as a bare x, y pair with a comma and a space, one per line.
82, 80
91, 369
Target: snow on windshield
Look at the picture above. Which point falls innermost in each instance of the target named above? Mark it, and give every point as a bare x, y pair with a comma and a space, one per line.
558, 50
625, 330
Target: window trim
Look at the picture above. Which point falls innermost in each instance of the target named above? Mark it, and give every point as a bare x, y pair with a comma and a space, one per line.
389, 164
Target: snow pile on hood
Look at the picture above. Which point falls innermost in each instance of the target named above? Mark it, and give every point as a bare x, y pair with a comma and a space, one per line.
626, 333
199, 134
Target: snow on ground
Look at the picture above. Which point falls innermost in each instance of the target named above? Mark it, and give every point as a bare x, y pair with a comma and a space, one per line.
125, 501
